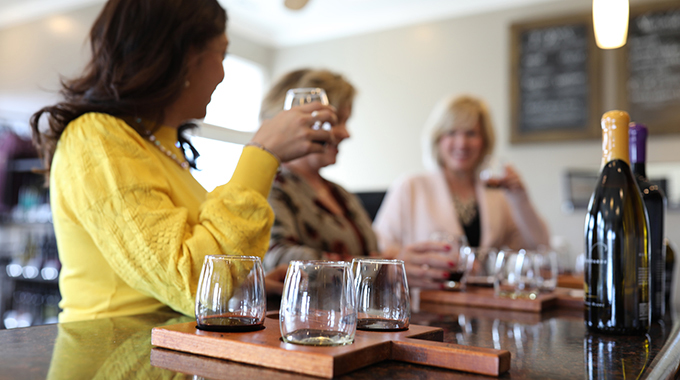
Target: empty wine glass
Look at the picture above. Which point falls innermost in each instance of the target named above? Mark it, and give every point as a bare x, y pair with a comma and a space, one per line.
483, 268
318, 305
382, 294
300, 96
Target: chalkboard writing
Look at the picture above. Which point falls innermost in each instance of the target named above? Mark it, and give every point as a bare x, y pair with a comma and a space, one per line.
653, 84
553, 76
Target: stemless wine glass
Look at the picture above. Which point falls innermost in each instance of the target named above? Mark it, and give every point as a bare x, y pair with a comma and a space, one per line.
318, 305
505, 274
382, 294
462, 259
545, 263
492, 171
300, 96
527, 274
230, 295
484, 266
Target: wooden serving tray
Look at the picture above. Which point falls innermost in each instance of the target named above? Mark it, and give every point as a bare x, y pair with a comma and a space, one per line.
571, 281
485, 297
570, 298
265, 348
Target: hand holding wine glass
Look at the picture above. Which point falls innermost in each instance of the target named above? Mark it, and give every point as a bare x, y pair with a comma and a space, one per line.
493, 172
426, 263
290, 135
301, 96
497, 174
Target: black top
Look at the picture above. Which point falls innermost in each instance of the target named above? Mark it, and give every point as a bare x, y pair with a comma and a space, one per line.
473, 230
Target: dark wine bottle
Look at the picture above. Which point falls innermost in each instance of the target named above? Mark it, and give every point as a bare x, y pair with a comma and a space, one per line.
616, 241
655, 203
670, 264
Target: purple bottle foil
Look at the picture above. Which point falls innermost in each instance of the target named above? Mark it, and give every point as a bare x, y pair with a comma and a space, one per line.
637, 138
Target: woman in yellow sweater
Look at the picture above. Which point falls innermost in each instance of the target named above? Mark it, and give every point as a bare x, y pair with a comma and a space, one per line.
132, 224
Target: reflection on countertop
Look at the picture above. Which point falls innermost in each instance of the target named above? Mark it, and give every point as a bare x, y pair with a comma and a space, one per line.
553, 344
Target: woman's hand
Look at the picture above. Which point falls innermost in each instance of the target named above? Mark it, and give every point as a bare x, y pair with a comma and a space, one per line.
511, 180
273, 281
427, 263
289, 134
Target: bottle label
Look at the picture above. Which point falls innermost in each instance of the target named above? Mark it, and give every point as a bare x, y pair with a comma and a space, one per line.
597, 265
643, 311
643, 276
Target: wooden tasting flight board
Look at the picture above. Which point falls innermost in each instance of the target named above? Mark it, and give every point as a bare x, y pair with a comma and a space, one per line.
484, 297
265, 348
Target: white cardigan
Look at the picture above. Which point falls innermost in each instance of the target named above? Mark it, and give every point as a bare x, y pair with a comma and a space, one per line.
416, 206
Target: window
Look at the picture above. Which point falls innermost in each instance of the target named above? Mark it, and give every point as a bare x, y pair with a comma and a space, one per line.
236, 101
234, 108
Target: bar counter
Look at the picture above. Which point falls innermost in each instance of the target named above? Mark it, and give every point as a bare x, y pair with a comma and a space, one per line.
549, 345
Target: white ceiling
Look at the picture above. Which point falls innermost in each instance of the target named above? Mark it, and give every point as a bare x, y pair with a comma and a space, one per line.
269, 22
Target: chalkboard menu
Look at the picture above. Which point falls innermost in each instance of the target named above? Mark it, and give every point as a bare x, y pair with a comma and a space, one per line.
554, 74
651, 80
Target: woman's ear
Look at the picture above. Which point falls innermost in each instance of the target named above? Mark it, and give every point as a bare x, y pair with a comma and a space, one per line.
192, 61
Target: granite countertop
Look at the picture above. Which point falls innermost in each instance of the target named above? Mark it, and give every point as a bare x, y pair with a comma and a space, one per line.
549, 345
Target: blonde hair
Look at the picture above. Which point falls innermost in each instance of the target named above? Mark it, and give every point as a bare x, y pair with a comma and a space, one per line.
340, 92
456, 113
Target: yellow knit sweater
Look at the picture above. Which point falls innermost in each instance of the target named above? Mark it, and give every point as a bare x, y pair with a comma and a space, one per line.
133, 227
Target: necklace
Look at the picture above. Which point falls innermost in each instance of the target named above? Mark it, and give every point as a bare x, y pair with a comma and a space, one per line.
182, 163
466, 209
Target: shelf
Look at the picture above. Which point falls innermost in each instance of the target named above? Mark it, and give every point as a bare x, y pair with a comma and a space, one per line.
25, 165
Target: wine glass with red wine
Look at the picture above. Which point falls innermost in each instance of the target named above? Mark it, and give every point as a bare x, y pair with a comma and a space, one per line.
492, 172
230, 295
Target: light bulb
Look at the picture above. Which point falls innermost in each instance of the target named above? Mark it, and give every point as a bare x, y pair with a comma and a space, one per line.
610, 21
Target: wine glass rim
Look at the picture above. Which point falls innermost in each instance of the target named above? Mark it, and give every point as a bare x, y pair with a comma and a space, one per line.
377, 260
307, 89
328, 263
233, 257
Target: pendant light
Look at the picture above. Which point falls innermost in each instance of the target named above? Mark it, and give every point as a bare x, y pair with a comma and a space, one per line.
610, 21
295, 5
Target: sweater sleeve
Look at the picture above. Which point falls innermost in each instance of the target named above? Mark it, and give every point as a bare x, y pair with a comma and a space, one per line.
117, 195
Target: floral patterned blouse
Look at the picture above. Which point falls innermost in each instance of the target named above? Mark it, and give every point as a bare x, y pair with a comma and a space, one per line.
304, 228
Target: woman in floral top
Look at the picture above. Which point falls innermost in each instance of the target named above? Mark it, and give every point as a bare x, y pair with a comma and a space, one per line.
315, 218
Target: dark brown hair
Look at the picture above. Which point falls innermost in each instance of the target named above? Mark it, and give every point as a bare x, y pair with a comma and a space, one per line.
138, 65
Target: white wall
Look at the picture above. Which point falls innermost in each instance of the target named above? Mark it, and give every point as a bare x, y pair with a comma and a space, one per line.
402, 73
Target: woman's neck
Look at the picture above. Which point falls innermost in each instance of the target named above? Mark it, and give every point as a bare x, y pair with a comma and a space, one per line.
303, 170
461, 183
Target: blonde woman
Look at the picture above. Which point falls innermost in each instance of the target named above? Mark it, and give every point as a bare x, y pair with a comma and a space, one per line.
452, 198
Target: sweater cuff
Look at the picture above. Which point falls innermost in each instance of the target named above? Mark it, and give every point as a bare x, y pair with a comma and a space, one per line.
256, 170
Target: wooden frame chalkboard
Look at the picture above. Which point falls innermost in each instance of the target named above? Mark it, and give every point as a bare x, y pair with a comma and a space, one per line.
555, 80
649, 67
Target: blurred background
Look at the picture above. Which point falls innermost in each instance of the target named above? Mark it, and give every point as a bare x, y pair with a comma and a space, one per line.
402, 55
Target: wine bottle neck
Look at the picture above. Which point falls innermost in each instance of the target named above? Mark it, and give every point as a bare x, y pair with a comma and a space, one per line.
637, 137
640, 169
615, 137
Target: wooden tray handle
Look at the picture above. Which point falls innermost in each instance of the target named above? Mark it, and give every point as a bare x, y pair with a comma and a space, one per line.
485, 361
